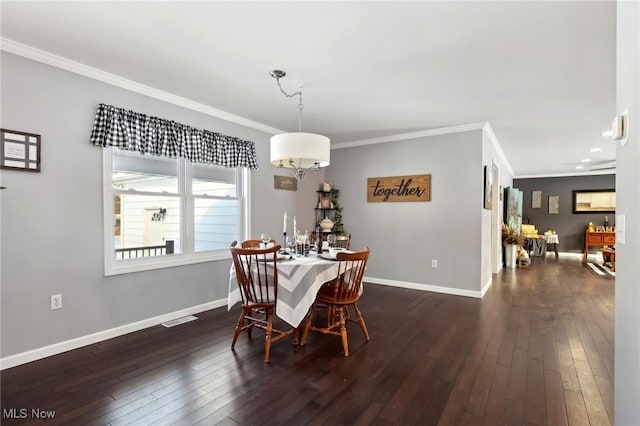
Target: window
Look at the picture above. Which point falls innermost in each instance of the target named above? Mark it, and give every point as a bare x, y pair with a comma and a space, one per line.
162, 212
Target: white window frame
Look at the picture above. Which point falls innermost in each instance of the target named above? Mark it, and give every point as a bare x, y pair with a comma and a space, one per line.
187, 255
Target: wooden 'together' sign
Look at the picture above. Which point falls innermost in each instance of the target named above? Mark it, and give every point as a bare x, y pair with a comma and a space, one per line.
399, 188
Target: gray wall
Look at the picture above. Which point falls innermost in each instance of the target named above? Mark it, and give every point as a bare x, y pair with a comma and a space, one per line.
405, 237
492, 219
569, 226
627, 346
52, 238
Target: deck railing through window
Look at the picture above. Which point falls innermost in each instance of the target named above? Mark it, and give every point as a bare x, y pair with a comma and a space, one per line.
145, 251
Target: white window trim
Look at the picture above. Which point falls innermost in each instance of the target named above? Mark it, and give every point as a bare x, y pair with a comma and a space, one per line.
114, 267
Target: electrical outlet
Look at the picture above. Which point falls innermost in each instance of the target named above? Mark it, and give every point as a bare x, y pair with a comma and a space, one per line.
56, 301
434, 263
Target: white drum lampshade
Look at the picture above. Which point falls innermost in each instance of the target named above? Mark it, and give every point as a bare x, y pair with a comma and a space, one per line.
306, 150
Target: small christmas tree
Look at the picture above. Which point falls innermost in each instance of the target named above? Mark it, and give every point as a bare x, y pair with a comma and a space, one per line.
338, 226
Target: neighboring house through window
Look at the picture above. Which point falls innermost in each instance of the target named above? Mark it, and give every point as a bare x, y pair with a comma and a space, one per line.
173, 194
168, 212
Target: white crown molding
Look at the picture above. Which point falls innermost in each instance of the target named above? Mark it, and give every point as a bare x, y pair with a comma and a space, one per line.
485, 127
594, 173
57, 61
407, 136
488, 132
44, 57
58, 348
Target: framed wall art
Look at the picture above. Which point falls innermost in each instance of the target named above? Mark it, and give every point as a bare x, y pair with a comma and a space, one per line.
19, 150
399, 188
536, 199
554, 204
285, 182
594, 201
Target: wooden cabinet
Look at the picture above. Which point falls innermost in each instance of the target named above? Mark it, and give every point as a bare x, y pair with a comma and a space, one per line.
598, 239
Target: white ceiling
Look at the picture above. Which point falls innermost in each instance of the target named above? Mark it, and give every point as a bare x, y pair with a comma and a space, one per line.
541, 73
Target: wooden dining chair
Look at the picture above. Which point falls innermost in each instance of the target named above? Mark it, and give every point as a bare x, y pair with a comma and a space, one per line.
257, 277
337, 296
343, 241
254, 243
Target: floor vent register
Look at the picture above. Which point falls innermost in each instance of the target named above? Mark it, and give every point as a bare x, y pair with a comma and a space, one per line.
179, 321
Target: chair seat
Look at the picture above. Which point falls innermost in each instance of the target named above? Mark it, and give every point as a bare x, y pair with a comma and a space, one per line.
337, 295
326, 296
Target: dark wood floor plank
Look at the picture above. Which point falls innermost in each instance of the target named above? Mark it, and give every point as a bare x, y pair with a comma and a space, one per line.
605, 385
593, 401
454, 410
505, 355
496, 401
537, 349
470, 370
522, 335
469, 419
370, 415
535, 338
481, 387
592, 352
517, 388
535, 410
610, 366
549, 354
406, 392
575, 341
554, 399
514, 412
567, 368
576, 410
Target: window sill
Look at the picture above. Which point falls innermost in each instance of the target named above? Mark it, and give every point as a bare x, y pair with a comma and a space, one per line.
117, 267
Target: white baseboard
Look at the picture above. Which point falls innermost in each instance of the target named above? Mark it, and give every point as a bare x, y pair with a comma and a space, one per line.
426, 287
486, 287
57, 348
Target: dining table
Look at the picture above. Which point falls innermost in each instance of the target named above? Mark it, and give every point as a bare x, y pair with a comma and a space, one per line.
299, 279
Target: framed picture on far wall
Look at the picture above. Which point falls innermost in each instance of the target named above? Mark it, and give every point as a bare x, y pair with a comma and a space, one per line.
554, 204
19, 151
285, 182
536, 199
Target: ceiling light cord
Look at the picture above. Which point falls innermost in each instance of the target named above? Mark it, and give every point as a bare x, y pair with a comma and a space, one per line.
299, 153
300, 106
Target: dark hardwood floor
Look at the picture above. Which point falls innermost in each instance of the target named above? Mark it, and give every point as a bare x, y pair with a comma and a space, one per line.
538, 349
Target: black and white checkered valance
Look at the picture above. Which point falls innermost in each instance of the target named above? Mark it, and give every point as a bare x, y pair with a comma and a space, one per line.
133, 131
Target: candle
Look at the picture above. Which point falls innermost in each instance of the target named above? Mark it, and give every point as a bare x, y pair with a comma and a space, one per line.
284, 223
295, 228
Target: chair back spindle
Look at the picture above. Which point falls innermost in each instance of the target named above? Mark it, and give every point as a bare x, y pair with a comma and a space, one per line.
346, 287
343, 241
337, 296
257, 276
